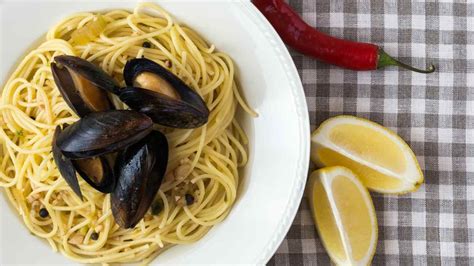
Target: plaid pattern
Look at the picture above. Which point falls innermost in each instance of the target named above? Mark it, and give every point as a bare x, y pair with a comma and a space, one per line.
434, 113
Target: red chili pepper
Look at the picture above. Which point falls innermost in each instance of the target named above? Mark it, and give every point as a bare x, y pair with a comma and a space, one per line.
307, 40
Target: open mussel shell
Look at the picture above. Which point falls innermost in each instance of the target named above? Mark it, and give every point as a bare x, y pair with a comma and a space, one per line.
162, 110
88, 70
103, 132
158, 93
97, 172
83, 85
139, 170
65, 166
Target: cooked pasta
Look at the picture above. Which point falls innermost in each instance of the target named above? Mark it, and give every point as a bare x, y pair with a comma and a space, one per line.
203, 162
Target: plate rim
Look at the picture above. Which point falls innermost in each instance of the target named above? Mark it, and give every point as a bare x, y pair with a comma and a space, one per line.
299, 98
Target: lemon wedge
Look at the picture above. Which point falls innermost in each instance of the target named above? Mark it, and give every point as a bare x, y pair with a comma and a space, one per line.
344, 215
382, 160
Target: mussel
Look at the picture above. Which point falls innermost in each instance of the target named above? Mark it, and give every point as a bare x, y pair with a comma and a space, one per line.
83, 85
65, 166
139, 170
166, 99
103, 132
95, 171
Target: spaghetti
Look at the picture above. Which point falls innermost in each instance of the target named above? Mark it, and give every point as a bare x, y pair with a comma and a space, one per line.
200, 186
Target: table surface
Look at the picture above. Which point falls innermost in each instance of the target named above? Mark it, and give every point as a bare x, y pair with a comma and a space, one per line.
434, 113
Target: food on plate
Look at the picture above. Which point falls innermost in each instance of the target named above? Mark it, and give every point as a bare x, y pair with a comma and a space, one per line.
139, 172
119, 137
344, 215
382, 160
158, 93
307, 40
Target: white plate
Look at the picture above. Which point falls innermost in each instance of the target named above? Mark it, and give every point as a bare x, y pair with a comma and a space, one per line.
279, 137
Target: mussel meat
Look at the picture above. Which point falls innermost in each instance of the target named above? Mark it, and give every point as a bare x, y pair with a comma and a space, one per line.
83, 85
158, 93
65, 166
96, 172
103, 132
139, 170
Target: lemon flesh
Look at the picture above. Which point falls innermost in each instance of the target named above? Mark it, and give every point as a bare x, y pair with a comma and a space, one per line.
344, 215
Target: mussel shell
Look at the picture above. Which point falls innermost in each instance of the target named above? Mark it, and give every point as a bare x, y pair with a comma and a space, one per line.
65, 165
139, 170
189, 111
163, 110
103, 132
106, 184
73, 97
89, 71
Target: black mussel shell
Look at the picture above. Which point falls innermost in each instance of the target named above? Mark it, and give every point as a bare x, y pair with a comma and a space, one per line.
65, 165
103, 132
97, 172
163, 110
82, 84
82, 96
89, 71
139, 170
158, 93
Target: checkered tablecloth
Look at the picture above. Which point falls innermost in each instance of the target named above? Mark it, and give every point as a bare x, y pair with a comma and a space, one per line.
434, 113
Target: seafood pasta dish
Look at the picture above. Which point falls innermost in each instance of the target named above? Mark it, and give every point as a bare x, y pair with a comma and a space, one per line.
119, 138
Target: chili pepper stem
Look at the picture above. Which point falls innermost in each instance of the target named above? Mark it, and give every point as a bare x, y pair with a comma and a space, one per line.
386, 60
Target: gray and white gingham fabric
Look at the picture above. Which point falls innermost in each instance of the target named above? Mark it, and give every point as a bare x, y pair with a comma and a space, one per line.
434, 113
